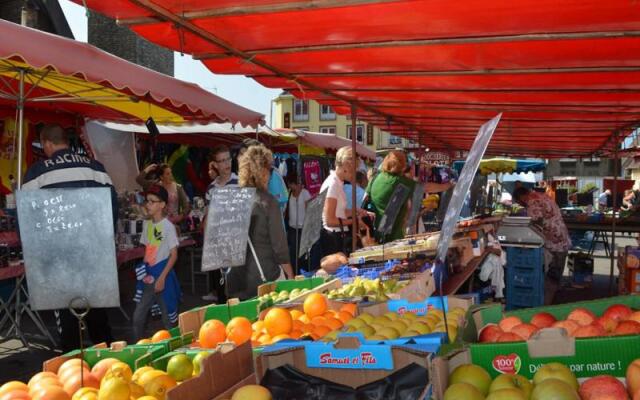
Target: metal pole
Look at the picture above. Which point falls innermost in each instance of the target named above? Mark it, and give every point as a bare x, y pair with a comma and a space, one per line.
354, 150
612, 253
20, 123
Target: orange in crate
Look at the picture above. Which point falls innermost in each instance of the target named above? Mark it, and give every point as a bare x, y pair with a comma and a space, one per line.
160, 336
315, 304
278, 321
239, 330
211, 333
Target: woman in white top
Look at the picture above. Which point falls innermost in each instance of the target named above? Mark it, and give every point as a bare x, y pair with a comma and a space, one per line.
336, 218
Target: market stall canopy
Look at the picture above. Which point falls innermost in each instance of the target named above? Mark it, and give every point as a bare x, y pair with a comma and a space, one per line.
62, 76
323, 141
566, 75
505, 165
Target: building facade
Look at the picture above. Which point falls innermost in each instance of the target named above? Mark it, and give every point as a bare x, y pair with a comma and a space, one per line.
309, 115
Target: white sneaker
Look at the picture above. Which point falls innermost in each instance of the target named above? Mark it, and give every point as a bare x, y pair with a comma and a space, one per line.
210, 297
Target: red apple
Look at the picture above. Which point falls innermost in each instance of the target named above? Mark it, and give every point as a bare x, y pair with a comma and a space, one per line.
465, 391
627, 328
567, 325
603, 387
634, 317
507, 394
543, 320
509, 337
512, 381
555, 370
582, 316
554, 389
473, 375
506, 324
607, 323
618, 312
633, 377
589, 331
524, 330
489, 333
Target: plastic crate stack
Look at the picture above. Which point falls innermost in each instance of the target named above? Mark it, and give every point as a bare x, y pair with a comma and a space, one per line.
525, 277
348, 274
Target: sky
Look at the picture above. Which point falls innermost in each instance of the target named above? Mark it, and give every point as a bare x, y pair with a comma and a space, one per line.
236, 88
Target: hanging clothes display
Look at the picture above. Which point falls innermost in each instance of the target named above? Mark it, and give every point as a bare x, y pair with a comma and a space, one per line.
313, 176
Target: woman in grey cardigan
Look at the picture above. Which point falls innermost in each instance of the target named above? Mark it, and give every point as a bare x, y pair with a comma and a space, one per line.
266, 233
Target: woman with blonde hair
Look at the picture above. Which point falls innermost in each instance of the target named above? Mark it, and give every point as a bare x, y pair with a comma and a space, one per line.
381, 189
267, 256
336, 218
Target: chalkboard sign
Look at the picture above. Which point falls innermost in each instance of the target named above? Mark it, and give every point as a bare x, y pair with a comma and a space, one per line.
396, 202
227, 231
416, 205
464, 183
69, 247
312, 223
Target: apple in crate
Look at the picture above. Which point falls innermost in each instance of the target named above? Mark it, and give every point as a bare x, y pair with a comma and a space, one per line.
582, 316
509, 337
627, 328
633, 377
618, 312
554, 389
568, 325
512, 381
558, 371
602, 387
506, 324
543, 320
607, 323
462, 390
473, 375
524, 330
489, 333
507, 394
589, 331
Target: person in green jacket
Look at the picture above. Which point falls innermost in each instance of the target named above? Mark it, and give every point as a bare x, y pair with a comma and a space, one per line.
380, 190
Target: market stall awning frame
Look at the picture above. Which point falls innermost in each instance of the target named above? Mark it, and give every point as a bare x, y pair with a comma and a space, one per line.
505, 165
423, 69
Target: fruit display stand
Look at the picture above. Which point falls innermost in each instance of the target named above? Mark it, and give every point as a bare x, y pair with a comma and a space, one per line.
192, 320
346, 362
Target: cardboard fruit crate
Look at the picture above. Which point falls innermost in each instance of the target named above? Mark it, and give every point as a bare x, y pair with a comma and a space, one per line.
585, 357
192, 320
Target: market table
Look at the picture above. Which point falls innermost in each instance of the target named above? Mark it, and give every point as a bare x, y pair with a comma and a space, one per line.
601, 229
455, 281
135, 253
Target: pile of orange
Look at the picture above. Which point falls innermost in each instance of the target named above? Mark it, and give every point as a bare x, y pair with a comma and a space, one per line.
315, 321
212, 332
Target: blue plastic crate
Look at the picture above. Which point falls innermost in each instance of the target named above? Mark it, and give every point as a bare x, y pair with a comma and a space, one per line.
525, 258
348, 274
523, 278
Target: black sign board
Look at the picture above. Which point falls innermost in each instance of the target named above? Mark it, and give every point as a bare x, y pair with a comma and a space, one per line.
312, 223
396, 202
69, 247
416, 205
227, 231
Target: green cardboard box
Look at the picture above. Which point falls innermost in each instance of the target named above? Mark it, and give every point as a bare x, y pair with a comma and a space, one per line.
134, 356
586, 357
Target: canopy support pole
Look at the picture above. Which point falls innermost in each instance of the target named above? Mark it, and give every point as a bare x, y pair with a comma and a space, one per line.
20, 123
612, 254
354, 208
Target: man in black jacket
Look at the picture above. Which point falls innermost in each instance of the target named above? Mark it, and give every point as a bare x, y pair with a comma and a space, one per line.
65, 169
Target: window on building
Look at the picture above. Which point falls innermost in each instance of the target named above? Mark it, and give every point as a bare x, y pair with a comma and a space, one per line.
359, 133
568, 167
394, 140
300, 110
328, 129
327, 113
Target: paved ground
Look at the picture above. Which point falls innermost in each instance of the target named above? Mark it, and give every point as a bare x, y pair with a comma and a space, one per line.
19, 362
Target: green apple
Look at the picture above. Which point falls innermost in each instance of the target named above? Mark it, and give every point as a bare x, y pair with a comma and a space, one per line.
462, 391
510, 381
389, 333
399, 326
356, 323
197, 361
367, 330
473, 375
420, 327
507, 394
555, 389
391, 316
368, 318
381, 320
558, 371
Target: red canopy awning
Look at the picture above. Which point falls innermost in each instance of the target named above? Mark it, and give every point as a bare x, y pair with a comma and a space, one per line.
65, 71
565, 74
